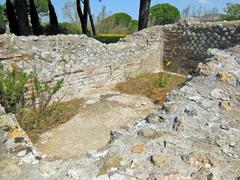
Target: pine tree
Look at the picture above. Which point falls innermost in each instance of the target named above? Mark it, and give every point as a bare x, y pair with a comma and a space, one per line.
12, 19
22, 17
54, 27
36, 26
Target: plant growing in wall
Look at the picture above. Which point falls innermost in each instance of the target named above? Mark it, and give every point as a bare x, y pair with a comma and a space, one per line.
12, 89
44, 93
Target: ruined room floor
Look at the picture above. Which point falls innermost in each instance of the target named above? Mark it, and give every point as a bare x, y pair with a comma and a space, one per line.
90, 128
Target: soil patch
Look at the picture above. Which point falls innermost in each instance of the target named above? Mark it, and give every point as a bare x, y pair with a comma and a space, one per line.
155, 86
35, 123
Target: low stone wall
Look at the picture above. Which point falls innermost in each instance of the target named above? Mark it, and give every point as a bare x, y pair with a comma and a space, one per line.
191, 38
15, 141
83, 62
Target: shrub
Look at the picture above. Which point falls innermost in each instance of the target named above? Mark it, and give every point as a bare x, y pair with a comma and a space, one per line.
117, 23
163, 80
133, 26
44, 93
12, 89
70, 28
109, 38
232, 11
161, 14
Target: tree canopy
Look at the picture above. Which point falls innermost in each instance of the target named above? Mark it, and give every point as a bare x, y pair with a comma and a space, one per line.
232, 11
42, 6
116, 23
161, 14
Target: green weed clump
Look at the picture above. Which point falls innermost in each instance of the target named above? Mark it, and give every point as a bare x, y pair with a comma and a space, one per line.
12, 89
163, 80
35, 122
109, 38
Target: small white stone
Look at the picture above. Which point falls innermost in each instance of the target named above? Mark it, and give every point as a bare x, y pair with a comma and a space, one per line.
22, 153
207, 165
28, 159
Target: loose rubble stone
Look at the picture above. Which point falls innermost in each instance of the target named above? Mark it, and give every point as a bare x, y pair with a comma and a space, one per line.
159, 160
201, 160
154, 118
22, 153
111, 162
225, 105
150, 133
135, 163
29, 159
138, 148
224, 76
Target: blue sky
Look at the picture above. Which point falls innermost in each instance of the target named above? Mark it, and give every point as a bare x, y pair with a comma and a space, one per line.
132, 6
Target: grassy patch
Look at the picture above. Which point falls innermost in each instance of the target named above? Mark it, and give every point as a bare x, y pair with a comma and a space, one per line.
109, 38
36, 123
154, 86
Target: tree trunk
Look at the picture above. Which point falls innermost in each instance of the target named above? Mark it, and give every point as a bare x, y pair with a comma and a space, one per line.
22, 17
83, 16
143, 14
36, 26
54, 27
12, 19
79, 11
91, 20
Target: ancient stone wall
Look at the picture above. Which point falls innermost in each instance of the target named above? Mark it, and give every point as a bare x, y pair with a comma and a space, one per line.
83, 62
190, 39
193, 38
15, 140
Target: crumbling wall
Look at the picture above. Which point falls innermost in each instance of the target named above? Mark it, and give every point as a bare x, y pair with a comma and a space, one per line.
83, 62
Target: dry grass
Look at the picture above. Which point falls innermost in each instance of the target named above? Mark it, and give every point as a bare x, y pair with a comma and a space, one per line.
154, 86
36, 123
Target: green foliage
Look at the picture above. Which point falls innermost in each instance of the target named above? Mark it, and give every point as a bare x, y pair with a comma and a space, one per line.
12, 89
35, 123
133, 26
45, 93
117, 23
163, 80
70, 28
121, 19
109, 38
232, 11
42, 6
161, 14
2, 20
